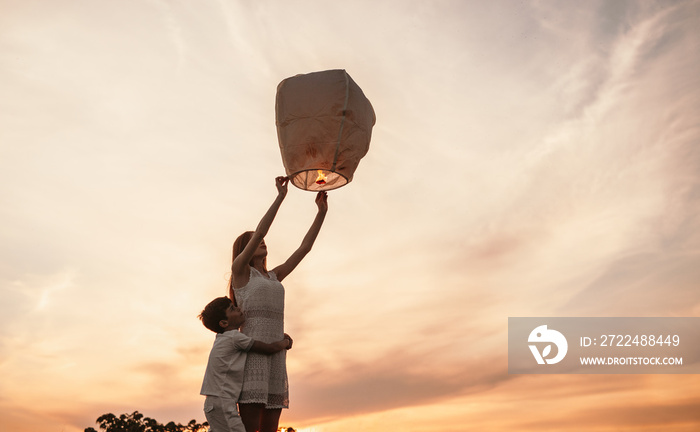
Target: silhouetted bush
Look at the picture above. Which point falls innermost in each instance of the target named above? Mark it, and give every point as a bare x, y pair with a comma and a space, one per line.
136, 422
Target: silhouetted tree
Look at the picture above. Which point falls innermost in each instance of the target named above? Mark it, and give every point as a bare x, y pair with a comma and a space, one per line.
136, 422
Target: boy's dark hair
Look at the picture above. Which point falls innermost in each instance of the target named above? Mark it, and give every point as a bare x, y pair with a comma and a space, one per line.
214, 312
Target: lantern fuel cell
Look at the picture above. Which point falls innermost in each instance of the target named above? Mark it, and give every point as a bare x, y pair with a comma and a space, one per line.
324, 126
321, 179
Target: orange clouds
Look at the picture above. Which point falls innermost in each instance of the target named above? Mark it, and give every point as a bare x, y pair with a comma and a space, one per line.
550, 403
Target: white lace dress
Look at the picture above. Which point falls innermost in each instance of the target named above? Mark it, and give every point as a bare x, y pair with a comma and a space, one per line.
265, 376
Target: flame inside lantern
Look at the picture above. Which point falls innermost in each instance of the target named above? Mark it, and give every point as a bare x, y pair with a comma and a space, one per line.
321, 179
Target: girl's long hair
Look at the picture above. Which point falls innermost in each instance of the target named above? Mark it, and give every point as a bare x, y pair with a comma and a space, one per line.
238, 246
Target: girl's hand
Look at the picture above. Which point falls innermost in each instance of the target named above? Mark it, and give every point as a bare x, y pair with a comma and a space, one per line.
322, 201
286, 336
281, 183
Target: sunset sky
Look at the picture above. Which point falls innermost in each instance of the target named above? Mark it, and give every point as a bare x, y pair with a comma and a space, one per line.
530, 158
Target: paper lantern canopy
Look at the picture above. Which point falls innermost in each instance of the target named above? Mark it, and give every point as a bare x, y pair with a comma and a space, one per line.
324, 125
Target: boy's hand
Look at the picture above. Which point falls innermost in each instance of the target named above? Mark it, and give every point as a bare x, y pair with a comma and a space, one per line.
289, 338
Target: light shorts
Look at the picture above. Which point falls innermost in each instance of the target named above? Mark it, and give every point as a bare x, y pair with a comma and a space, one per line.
222, 415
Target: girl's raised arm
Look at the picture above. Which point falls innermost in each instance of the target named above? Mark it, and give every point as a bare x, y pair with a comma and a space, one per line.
283, 270
239, 268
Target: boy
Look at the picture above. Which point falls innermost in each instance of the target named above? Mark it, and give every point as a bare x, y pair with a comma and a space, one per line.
224, 374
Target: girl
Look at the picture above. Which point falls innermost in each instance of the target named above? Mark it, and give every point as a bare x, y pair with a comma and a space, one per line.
260, 294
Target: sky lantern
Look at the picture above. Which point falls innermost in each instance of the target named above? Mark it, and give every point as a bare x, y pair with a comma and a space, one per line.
324, 125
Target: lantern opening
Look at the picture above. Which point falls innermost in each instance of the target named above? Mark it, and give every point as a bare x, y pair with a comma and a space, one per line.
317, 179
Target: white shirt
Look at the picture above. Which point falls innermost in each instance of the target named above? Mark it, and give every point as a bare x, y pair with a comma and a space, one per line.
224, 374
